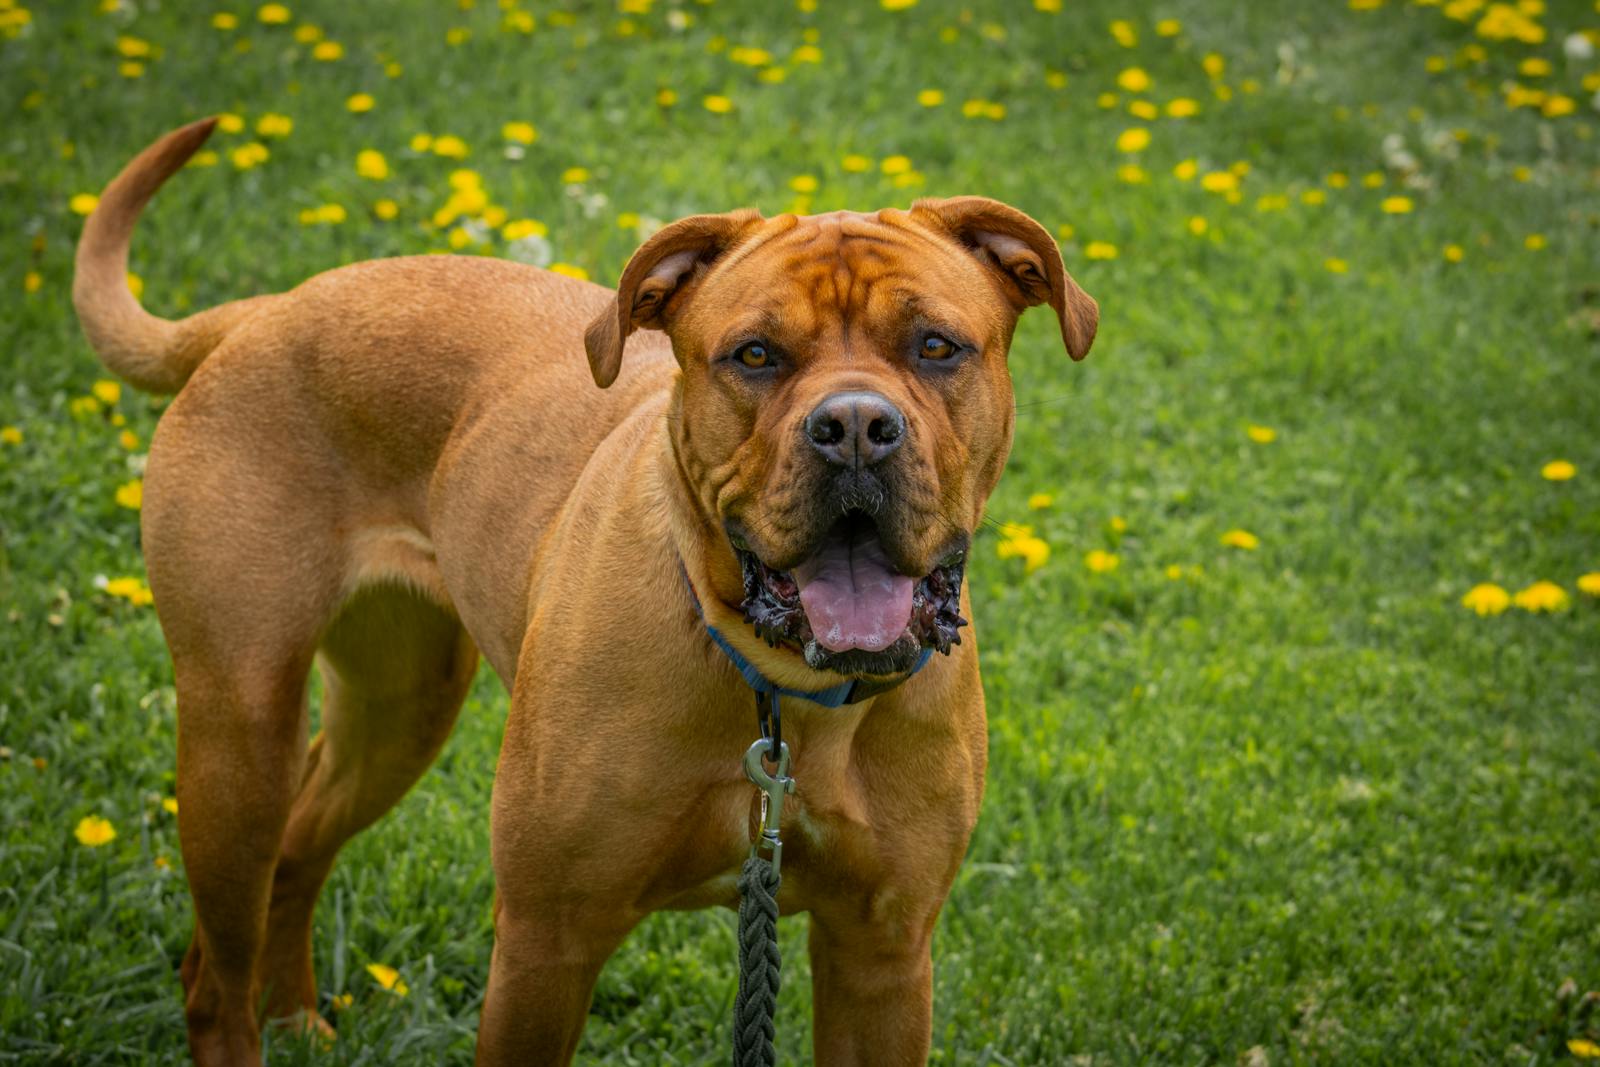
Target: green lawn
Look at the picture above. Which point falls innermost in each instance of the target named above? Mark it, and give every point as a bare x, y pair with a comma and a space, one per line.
1285, 804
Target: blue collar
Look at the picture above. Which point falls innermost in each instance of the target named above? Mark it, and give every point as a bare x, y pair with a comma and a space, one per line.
851, 692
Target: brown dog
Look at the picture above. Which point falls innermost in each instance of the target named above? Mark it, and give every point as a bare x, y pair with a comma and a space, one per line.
403, 462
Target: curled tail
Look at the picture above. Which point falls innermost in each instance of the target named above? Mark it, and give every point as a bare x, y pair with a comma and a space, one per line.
150, 353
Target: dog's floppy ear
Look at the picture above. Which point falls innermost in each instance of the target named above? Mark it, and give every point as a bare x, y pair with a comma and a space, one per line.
1023, 254
664, 268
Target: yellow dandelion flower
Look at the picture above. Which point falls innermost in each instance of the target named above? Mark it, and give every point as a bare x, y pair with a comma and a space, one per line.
1397, 205
107, 391
1168, 28
717, 105
128, 440
83, 405
1100, 250
1101, 562
1123, 31
223, 20
570, 270
386, 209
1198, 225
1558, 470
1133, 139
273, 14
1040, 501
520, 228
249, 155
1335, 265
388, 978
895, 165
360, 104
1143, 109
1173, 572
1534, 67
135, 285
1486, 598
133, 590
1541, 597
897, 5
1261, 435
449, 146
1313, 197
1049, 7
1213, 64
930, 98
169, 805
574, 176
1055, 79
806, 53
328, 51
1186, 170
1534, 241
803, 183
371, 164
274, 125
1219, 181
1372, 179
1133, 80
666, 98
1588, 584
92, 831
205, 158
133, 47
32, 282
306, 33
342, 1001
1183, 107
856, 164
1065, 231
519, 132
1454, 253
1583, 1049
1241, 539
12, 435
131, 494
1132, 174
228, 122
83, 203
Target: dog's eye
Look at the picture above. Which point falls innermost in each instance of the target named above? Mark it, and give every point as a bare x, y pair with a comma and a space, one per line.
754, 355
936, 347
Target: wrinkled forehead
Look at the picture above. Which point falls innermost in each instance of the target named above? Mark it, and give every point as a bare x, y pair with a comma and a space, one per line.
845, 271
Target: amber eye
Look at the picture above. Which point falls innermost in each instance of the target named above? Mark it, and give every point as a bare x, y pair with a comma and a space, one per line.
936, 347
753, 354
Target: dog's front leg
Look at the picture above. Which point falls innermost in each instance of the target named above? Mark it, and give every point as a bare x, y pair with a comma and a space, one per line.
541, 978
872, 986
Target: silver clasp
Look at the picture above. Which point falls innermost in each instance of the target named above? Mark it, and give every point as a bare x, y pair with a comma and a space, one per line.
773, 788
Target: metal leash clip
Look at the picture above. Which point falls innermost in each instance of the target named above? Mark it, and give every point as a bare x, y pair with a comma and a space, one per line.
773, 788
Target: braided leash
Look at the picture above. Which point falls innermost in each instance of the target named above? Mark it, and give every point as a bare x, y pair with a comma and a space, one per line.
759, 958
753, 1010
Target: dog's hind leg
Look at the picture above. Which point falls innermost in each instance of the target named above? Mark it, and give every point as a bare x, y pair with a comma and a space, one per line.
396, 667
241, 740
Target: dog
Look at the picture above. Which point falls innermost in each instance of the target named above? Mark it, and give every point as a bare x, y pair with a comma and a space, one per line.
774, 458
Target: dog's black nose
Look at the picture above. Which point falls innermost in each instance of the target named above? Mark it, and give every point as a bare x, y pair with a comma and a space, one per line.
855, 429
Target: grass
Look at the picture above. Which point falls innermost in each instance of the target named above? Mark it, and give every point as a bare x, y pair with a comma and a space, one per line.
1296, 805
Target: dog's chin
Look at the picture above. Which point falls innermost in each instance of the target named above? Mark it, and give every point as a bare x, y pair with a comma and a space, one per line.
899, 658
845, 607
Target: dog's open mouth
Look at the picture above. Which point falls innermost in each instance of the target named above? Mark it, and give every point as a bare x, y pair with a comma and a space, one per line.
847, 609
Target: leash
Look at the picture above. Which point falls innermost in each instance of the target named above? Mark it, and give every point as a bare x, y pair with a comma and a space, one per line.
760, 962
755, 1006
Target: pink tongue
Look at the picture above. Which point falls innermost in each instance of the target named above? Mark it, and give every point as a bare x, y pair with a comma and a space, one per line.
852, 596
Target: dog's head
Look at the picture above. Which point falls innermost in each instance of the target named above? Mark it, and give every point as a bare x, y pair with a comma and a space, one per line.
844, 406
